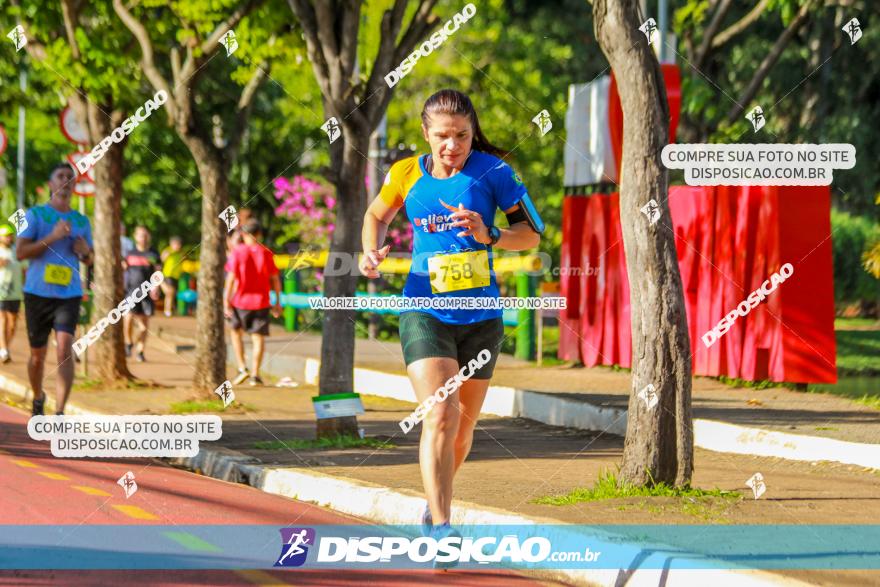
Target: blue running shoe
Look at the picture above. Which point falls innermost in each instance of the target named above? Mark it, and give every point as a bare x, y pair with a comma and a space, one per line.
427, 521
440, 532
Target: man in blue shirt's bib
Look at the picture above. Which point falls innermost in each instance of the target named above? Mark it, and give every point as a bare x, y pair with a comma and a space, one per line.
56, 239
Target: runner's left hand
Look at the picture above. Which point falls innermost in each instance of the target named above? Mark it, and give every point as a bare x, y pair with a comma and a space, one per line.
472, 221
276, 310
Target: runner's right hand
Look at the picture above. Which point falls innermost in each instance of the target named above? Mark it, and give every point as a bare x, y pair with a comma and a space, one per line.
60, 230
371, 260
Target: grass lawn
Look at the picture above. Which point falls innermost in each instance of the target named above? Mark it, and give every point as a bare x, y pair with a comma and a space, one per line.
212, 405
706, 504
858, 352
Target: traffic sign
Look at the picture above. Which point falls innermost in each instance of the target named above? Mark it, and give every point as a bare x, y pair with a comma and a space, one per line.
71, 127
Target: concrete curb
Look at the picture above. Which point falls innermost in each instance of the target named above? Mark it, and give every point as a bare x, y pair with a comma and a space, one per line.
382, 505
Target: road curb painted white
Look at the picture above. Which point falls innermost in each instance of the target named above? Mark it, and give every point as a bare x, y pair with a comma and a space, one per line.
723, 437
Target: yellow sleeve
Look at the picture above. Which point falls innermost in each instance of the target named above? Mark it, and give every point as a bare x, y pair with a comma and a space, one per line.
398, 182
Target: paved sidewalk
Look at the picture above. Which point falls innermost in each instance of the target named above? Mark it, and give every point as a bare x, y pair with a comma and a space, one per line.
778, 409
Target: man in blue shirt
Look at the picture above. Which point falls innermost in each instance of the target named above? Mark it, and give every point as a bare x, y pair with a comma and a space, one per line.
56, 239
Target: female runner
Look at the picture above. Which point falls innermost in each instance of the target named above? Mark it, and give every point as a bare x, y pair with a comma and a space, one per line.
450, 196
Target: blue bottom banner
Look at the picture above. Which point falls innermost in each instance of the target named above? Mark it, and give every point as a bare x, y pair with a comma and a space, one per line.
809, 547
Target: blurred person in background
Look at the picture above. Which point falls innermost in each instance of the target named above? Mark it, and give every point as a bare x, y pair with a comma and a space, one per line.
251, 275
140, 263
172, 257
10, 290
55, 240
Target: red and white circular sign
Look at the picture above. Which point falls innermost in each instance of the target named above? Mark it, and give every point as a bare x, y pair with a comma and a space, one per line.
73, 158
3, 140
85, 182
72, 129
84, 187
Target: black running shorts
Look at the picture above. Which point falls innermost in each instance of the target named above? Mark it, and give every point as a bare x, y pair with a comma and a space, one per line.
423, 336
253, 321
44, 314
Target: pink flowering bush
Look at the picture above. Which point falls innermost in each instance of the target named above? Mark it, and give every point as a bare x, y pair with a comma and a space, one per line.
311, 208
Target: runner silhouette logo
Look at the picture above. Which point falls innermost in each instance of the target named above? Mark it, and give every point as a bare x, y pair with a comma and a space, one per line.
294, 546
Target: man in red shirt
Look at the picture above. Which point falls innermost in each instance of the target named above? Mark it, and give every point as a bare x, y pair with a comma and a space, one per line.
251, 273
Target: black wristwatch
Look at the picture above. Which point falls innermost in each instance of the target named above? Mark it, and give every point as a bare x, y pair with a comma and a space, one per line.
494, 235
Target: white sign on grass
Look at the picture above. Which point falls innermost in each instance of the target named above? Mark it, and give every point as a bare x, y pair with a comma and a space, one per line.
337, 405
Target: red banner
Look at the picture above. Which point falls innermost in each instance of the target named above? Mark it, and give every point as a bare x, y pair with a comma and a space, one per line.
729, 240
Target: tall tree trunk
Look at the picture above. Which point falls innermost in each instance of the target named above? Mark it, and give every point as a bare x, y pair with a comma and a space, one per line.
210, 343
659, 441
338, 332
110, 362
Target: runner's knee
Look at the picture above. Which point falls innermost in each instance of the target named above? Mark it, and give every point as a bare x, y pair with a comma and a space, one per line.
443, 419
464, 439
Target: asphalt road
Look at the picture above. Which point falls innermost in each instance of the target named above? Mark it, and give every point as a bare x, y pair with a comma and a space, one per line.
75, 495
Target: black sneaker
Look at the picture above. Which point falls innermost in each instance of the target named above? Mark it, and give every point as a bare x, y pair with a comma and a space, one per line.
37, 406
140, 357
128, 350
255, 380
